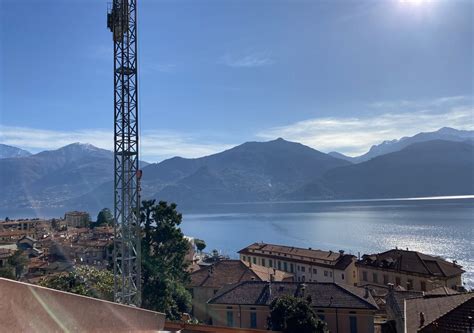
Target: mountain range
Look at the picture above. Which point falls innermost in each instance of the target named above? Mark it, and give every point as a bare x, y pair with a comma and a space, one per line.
390, 146
11, 152
79, 176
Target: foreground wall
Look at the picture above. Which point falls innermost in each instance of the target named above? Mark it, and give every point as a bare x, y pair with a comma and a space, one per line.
30, 308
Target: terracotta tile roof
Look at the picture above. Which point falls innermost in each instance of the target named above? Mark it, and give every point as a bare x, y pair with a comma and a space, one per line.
227, 272
306, 255
411, 262
265, 273
323, 295
445, 314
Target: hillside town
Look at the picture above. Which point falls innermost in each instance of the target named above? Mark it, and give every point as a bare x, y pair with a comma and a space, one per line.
398, 290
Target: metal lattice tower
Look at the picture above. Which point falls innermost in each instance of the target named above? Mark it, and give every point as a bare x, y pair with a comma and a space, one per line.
122, 21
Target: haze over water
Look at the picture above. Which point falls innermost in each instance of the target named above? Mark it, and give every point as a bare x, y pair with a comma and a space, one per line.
442, 227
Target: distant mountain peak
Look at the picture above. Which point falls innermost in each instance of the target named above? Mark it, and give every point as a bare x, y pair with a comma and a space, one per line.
79, 146
7, 151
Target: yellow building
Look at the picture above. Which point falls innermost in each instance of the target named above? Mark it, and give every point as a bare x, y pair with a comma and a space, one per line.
308, 265
344, 308
207, 281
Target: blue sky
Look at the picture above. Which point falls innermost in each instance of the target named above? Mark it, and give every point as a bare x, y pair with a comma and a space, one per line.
335, 75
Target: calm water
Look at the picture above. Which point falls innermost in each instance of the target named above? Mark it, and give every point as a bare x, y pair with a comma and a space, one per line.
439, 227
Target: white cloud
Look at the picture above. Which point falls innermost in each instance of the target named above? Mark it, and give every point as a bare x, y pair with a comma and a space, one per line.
355, 135
155, 145
421, 104
247, 61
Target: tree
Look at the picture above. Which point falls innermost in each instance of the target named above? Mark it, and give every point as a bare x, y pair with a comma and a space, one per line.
84, 280
294, 315
18, 261
163, 260
105, 217
7, 273
200, 244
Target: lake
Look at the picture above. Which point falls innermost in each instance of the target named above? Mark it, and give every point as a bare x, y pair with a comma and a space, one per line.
437, 226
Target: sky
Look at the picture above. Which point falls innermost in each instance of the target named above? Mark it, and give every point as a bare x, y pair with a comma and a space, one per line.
336, 75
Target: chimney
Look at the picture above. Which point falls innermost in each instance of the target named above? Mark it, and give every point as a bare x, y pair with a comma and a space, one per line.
422, 319
366, 295
341, 252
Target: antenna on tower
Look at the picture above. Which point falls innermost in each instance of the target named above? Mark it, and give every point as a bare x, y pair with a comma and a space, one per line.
122, 22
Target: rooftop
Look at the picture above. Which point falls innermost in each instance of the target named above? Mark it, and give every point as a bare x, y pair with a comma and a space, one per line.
337, 259
440, 314
323, 295
411, 262
227, 272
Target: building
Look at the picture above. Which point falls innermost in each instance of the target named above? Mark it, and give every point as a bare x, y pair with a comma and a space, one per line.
452, 313
439, 310
395, 306
410, 269
77, 219
308, 265
5, 254
345, 309
207, 281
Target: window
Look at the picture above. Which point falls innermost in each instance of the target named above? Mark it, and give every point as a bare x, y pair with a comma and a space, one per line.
285, 266
254, 260
385, 279
243, 258
279, 265
270, 263
375, 277
253, 320
303, 268
330, 274
398, 281
230, 319
342, 276
292, 268
409, 284
325, 273
298, 267
315, 271
364, 276
353, 324
423, 285
263, 262
303, 278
